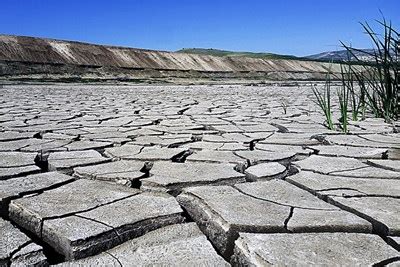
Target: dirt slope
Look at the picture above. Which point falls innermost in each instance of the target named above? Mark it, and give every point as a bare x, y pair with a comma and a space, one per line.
21, 56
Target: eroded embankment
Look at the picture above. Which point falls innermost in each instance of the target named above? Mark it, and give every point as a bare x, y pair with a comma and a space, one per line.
37, 58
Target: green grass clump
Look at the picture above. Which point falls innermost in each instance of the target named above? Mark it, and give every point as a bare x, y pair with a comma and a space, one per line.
323, 99
379, 79
357, 97
343, 94
367, 84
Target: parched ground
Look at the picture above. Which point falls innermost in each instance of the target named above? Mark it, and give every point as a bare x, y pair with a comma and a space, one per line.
189, 176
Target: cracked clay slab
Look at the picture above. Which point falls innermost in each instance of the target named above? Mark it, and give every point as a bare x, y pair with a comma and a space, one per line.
20, 186
71, 159
349, 151
178, 244
170, 176
265, 171
223, 211
83, 218
17, 249
17, 163
122, 171
340, 166
311, 249
376, 200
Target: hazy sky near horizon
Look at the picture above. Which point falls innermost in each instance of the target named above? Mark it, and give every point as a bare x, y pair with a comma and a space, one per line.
297, 27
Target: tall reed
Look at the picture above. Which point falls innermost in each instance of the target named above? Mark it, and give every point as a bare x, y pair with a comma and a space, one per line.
324, 100
378, 79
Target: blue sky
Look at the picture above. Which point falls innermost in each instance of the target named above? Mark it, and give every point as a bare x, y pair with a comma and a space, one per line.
298, 27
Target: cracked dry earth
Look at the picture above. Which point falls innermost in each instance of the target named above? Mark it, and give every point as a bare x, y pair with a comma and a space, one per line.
201, 175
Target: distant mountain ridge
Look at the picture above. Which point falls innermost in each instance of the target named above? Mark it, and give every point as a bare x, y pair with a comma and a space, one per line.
343, 55
328, 56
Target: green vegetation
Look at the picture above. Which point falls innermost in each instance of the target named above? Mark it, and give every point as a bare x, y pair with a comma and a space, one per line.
379, 80
369, 84
324, 101
343, 96
348, 88
225, 53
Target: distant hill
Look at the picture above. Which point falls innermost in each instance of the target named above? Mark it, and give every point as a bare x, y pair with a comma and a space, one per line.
342, 55
25, 58
227, 53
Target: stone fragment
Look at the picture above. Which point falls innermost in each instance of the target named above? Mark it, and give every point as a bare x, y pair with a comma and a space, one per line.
179, 244
16, 249
341, 166
267, 171
168, 176
64, 160
84, 217
311, 249
223, 211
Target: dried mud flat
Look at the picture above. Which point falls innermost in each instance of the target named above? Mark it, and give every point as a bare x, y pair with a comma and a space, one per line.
195, 175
